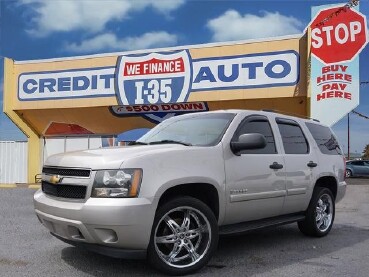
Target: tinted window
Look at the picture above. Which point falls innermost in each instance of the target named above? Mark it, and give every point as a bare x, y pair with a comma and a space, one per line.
257, 124
358, 163
326, 141
294, 141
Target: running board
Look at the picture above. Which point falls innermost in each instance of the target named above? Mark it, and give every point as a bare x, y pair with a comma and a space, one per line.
259, 224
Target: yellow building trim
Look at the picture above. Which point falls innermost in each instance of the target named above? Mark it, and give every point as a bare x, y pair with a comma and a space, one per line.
10, 95
8, 186
34, 186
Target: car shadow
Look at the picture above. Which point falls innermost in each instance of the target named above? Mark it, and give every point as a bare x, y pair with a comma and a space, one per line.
252, 253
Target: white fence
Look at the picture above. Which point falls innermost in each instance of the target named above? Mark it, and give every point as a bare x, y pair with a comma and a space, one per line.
13, 162
13, 154
58, 145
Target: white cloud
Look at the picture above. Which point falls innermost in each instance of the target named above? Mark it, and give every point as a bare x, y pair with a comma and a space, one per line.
87, 15
110, 41
231, 25
163, 6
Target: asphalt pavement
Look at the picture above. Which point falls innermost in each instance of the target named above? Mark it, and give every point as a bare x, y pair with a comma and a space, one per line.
27, 249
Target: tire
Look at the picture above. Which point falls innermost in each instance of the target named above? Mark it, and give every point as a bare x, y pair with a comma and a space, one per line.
348, 173
320, 214
184, 236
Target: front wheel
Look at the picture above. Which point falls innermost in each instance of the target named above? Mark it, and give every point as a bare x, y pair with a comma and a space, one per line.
320, 214
184, 236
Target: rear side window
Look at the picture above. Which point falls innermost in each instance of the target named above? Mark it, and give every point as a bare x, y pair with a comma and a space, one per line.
294, 141
325, 139
360, 163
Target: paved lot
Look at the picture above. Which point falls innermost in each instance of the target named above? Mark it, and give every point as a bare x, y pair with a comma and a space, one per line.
27, 249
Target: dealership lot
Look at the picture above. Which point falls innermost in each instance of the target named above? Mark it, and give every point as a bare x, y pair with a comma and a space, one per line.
27, 249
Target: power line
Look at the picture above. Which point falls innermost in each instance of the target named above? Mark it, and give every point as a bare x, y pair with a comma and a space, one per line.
360, 114
350, 4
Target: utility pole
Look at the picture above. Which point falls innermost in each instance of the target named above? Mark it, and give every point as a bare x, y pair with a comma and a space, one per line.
348, 136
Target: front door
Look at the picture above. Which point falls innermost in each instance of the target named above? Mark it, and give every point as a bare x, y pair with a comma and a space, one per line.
256, 178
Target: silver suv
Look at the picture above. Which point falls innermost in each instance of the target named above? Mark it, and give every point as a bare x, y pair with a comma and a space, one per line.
194, 177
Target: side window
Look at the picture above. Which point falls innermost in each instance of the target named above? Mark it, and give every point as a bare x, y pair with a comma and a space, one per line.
358, 163
257, 124
294, 140
325, 139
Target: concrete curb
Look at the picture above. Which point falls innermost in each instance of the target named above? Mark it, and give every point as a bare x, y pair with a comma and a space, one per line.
13, 186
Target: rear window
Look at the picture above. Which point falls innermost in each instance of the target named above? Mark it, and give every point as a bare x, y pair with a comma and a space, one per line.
325, 139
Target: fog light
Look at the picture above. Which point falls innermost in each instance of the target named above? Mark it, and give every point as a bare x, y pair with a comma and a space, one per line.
106, 235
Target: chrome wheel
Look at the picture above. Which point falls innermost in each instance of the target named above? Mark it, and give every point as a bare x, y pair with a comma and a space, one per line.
348, 173
182, 237
324, 212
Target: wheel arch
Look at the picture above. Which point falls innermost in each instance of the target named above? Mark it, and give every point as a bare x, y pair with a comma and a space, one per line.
204, 192
329, 182
351, 169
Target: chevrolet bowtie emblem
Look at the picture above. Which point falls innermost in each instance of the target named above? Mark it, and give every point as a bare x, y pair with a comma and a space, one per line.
55, 179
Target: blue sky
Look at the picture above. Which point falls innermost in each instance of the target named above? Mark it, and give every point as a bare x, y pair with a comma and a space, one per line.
39, 29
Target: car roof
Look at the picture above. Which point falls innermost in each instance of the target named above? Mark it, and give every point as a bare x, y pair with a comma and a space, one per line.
264, 112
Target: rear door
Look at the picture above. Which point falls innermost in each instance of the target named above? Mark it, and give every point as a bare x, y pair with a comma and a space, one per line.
300, 165
366, 171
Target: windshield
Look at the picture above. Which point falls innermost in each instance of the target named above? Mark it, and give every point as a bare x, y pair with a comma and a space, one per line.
199, 129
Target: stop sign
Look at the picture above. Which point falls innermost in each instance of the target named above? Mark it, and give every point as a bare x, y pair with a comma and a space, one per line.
338, 34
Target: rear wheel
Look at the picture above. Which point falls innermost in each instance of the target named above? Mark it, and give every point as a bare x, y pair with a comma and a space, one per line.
184, 236
348, 173
320, 214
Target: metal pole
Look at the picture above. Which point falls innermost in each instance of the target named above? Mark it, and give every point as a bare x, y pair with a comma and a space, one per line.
348, 136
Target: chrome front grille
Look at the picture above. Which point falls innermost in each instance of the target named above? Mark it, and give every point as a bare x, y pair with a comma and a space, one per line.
64, 191
67, 172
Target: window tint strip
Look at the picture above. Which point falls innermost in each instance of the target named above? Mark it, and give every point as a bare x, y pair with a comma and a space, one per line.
257, 124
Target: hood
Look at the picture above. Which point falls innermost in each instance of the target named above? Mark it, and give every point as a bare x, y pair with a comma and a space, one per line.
107, 158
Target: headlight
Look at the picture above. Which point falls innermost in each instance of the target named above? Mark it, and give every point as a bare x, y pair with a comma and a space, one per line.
117, 183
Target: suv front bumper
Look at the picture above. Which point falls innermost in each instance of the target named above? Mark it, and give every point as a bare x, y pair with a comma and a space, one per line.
123, 225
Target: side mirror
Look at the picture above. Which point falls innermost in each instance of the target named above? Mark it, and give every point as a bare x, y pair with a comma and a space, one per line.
248, 142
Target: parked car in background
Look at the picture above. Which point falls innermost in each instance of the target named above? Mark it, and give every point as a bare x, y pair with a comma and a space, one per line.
357, 168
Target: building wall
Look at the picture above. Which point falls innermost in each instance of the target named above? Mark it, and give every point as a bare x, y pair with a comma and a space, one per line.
13, 162
45, 98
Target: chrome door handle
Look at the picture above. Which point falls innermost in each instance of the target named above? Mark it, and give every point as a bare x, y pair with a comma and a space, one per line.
276, 165
312, 164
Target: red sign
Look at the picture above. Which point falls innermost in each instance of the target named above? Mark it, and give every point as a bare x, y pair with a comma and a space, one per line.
59, 129
154, 66
338, 35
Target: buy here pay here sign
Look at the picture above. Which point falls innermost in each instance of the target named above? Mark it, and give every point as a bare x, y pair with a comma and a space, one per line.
338, 34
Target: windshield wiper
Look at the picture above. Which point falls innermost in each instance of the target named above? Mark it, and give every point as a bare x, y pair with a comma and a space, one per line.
137, 143
170, 141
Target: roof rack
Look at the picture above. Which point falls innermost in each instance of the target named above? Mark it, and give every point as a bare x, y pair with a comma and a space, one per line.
289, 113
